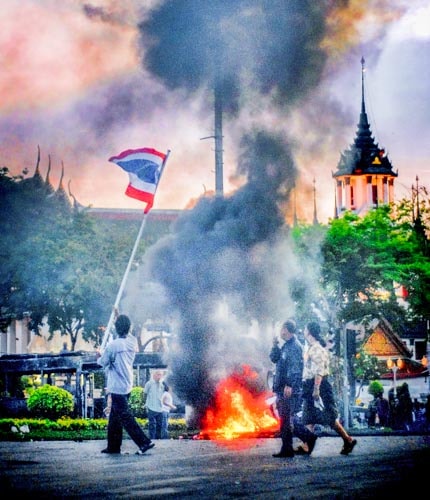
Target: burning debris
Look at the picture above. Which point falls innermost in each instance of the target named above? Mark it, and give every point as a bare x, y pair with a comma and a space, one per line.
240, 409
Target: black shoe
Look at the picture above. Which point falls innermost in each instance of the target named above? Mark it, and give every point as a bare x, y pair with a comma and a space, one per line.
348, 447
145, 448
284, 454
311, 443
111, 452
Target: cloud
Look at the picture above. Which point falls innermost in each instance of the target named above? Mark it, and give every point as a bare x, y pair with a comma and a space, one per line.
74, 82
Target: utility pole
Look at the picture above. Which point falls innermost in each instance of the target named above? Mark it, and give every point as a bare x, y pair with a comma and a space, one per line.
219, 165
345, 378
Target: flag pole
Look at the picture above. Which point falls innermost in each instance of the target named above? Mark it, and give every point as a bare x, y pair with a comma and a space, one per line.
107, 333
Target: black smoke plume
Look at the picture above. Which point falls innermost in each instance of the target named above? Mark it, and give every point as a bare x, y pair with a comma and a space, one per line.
220, 270
221, 254
271, 46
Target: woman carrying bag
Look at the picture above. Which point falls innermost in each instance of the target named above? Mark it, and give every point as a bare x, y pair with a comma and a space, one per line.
319, 406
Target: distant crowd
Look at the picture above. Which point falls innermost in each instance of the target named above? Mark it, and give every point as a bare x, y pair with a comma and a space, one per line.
399, 411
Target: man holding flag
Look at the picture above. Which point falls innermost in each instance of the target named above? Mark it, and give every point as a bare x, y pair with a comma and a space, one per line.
144, 167
117, 360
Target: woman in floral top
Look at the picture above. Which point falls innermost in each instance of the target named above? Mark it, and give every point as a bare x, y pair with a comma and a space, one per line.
317, 389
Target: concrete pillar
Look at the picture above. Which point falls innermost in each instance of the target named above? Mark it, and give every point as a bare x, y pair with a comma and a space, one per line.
369, 194
347, 193
385, 197
11, 338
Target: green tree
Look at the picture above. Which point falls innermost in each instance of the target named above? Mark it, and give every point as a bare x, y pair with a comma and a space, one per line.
413, 217
365, 368
365, 258
57, 263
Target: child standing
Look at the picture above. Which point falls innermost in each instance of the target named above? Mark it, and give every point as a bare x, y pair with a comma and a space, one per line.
167, 404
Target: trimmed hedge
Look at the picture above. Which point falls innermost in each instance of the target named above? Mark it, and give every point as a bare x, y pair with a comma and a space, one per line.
68, 429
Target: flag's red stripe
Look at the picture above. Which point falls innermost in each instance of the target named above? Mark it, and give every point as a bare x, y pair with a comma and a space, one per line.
140, 195
141, 150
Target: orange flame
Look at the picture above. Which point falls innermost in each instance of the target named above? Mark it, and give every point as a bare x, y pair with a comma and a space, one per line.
240, 409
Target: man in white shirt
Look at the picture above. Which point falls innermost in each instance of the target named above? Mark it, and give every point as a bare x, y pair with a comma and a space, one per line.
117, 360
154, 391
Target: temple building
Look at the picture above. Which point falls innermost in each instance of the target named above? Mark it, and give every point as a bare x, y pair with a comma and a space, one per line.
364, 176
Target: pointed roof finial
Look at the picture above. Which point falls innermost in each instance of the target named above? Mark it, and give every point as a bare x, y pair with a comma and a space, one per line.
49, 188
36, 172
76, 205
49, 170
61, 192
363, 69
37, 178
60, 185
315, 206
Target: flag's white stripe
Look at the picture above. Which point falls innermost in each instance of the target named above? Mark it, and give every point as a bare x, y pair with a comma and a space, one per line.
141, 185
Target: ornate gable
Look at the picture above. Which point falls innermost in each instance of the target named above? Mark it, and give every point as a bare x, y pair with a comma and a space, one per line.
379, 345
384, 342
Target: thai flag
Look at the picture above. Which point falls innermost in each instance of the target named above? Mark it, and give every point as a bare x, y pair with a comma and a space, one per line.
144, 167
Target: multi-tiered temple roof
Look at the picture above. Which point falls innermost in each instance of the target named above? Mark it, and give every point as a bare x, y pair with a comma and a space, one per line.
364, 156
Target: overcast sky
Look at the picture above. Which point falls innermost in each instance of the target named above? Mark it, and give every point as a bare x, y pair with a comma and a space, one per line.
74, 81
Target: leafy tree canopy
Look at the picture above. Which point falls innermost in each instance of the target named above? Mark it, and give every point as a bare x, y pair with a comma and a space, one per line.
57, 264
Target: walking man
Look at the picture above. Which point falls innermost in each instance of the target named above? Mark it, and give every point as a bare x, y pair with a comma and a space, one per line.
117, 360
287, 386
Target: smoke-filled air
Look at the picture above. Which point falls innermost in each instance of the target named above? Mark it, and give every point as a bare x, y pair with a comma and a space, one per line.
222, 275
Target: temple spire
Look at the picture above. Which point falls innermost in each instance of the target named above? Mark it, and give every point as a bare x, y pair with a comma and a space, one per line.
295, 220
315, 221
363, 69
364, 176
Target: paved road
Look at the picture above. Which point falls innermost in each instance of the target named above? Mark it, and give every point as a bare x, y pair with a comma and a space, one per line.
380, 466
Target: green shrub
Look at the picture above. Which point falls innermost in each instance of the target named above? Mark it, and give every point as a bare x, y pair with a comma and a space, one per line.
137, 402
375, 388
50, 402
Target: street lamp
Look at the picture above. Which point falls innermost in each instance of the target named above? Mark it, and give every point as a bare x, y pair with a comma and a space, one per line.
394, 365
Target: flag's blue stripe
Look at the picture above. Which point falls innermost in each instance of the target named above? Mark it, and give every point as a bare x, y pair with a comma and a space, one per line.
146, 170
